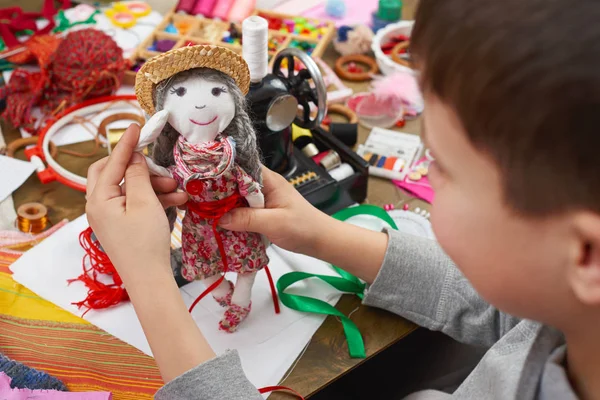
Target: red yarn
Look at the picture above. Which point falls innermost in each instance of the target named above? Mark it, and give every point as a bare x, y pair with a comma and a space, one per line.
87, 63
100, 295
214, 210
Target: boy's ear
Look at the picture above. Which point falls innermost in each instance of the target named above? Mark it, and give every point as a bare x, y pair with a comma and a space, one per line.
584, 271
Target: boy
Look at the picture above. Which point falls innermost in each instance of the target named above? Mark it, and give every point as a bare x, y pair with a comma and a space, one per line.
512, 94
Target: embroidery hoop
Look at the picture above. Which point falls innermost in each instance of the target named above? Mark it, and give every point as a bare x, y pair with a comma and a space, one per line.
47, 168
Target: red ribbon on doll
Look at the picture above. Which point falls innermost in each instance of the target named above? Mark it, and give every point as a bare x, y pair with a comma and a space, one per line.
214, 210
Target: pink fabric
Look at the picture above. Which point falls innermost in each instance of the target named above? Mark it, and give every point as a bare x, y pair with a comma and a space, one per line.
204, 182
420, 189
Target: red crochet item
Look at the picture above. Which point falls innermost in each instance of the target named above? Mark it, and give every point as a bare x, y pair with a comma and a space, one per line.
86, 64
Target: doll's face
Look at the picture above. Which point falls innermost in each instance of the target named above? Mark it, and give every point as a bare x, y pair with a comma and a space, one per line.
199, 109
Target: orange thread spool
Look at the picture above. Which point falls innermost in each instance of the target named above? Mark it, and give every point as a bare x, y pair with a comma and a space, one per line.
32, 218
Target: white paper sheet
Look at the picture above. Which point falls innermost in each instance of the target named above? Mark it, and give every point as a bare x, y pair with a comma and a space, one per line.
268, 343
13, 173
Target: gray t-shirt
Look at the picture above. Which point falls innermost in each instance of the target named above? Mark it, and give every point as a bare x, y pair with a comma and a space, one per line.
420, 283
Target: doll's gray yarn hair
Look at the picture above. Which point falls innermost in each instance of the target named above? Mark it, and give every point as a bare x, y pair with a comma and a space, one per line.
240, 129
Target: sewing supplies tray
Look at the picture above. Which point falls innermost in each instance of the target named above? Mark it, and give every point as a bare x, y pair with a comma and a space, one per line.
320, 189
390, 154
178, 30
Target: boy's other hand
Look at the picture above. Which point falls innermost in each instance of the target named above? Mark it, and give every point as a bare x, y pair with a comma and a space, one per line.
287, 220
130, 224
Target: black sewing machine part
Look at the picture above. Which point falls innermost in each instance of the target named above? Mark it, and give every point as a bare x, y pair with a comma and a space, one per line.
281, 99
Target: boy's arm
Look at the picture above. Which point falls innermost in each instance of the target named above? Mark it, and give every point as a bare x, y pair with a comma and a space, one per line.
418, 281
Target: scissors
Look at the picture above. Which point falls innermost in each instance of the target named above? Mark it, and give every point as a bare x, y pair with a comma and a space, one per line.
125, 14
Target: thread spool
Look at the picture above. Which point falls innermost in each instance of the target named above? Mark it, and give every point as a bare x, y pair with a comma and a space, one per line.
242, 9
346, 133
331, 160
222, 9
32, 218
255, 31
186, 6
342, 172
204, 8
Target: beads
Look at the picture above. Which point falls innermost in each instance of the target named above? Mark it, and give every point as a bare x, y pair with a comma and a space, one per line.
389, 207
299, 26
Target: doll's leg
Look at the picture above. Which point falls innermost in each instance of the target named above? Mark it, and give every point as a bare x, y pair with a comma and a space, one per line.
222, 293
240, 303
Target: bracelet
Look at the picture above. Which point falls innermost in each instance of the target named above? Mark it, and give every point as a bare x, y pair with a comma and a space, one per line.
396, 54
342, 110
118, 117
15, 145
356, 76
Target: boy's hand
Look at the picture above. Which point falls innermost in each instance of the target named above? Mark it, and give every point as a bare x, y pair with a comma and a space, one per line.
287, 220
131, 224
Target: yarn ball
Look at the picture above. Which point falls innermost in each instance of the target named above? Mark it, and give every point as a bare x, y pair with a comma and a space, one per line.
335, 8
87, 63
358, 41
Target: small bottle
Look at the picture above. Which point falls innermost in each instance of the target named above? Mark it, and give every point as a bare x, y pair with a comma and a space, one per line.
390, 10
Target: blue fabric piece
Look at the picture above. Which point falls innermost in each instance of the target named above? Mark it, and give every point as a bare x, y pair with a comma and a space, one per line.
24, 377
343, 33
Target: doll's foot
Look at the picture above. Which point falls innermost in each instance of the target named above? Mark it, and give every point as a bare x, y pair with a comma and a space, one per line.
225, 301
233, 317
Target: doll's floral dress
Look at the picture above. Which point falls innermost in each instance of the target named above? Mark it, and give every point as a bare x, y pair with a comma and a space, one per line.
215, 184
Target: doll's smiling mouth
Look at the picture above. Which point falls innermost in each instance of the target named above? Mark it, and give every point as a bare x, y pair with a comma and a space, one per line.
204, 123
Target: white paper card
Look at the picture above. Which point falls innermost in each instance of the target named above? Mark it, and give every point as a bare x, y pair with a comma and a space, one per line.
13, 173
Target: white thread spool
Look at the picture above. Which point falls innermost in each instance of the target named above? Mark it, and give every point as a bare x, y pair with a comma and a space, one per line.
342, 172
255, 46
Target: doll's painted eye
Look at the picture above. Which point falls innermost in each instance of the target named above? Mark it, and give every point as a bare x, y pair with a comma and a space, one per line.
217, 91
180, 91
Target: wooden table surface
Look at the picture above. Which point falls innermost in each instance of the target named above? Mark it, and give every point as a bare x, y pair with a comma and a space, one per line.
326, 358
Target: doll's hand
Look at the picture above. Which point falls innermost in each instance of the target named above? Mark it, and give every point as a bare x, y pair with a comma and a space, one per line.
287, 220
129, 219
152, 129
256, 200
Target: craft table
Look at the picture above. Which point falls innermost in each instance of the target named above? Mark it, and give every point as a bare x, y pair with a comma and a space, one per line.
325, 360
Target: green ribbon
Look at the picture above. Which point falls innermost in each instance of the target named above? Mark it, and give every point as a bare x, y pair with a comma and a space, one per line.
64, 23
346, 283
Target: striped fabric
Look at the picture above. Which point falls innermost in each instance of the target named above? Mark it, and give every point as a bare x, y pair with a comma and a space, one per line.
44, 336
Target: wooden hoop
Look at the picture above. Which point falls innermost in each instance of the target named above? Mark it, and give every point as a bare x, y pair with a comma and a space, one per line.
396, 54
342, 110
356, 77
119, 117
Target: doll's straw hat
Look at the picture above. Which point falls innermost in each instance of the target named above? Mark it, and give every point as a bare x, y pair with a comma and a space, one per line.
172, 62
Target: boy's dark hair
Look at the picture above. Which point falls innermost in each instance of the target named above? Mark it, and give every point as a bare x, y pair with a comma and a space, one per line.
523, 77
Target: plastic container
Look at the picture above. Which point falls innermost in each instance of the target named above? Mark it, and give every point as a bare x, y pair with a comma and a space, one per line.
386, 65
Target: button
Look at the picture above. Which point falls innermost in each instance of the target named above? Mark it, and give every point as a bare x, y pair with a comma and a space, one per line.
194, 187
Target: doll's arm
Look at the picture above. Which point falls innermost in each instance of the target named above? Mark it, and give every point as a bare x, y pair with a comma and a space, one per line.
249, 189
152, 130
157, 169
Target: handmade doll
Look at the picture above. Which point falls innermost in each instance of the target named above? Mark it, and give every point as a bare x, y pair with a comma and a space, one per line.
204, 139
